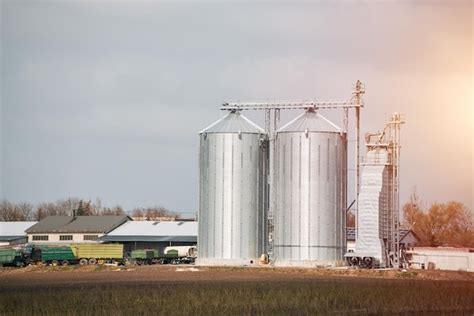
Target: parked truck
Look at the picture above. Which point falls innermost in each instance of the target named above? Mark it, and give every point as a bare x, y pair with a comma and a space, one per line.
170, 255
82, 254
11, 257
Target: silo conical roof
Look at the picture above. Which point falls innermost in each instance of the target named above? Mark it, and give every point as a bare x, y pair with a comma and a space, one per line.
310, 121
234, 122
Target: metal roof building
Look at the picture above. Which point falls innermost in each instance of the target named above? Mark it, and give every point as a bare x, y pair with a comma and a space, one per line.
152, 231
68, 229
78, 224
153, 234
443, 258
13, 232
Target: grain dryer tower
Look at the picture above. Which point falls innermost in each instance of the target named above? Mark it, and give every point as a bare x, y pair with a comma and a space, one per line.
377, 239
232, 204
311, 177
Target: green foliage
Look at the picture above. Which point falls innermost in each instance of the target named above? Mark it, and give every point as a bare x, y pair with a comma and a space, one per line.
442, 224
80, 211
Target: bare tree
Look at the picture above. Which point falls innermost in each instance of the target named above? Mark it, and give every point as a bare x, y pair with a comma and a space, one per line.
25, 210
15, 212
116, 210
137, 213
6, 211
59, 207
159, 213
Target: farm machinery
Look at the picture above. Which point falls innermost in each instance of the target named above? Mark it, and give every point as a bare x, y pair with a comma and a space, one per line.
170, 255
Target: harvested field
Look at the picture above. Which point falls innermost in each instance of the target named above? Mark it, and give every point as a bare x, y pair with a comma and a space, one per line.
188, 290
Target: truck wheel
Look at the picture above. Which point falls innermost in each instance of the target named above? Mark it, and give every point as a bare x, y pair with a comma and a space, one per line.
368, 262
92, 261
64, 262
83, 262
55, 263
354, 261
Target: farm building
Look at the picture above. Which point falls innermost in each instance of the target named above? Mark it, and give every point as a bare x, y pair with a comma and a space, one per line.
408, 239
153, 235
14, 232
442, 258
73, 229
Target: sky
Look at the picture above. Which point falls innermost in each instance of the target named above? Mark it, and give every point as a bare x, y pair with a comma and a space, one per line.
105, 99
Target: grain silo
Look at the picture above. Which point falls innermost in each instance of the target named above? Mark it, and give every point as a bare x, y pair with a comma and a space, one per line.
310, 199
232, 201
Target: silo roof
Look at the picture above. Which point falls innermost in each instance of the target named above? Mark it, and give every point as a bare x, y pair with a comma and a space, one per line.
312, 122
233, 122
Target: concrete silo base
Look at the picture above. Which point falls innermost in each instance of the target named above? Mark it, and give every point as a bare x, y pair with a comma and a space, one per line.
309, 264
226, 262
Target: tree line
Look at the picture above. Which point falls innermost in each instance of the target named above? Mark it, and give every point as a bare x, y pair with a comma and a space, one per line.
22, 211
447, 224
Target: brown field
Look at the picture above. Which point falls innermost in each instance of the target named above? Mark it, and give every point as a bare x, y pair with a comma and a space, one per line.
183, 290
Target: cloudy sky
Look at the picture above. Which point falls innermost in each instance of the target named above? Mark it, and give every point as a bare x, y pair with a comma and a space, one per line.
105, 99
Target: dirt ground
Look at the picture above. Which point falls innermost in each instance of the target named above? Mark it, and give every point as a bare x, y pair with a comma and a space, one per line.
33, 276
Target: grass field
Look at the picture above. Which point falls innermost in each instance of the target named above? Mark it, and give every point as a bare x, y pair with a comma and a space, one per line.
194, 294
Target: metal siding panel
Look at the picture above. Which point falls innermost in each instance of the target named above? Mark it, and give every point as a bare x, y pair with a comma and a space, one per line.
246, 203
238, 185
323, 202
227, 196
314, 202
295, 195
219, 193
305, 189
203, 153
287, 210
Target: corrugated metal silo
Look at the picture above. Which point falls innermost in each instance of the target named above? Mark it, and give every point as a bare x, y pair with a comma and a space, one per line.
232, 207
311, 175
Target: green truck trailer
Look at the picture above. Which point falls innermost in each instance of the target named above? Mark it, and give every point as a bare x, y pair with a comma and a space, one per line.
52, 254
169, 255
97, 253
10, 257
76, 253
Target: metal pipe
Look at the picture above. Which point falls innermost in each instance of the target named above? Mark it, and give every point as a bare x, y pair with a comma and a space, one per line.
357, 168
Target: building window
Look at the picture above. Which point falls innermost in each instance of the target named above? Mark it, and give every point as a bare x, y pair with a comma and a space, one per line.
40, 237
91, 237
65, 237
